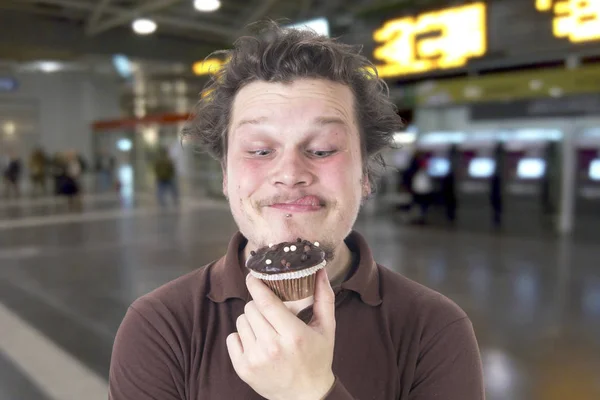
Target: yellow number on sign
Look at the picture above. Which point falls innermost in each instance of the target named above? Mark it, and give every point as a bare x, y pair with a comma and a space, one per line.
577, 20
435, 40
543, 5
207, 67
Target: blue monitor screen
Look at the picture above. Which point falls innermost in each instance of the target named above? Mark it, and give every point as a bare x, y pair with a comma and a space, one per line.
594, 170
531, 168
438, 167
481, 167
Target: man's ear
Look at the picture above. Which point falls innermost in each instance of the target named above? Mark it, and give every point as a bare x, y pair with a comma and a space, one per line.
224, 173
366, 187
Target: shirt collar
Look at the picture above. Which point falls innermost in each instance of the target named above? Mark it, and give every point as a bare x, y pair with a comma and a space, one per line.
365, 279
228, 276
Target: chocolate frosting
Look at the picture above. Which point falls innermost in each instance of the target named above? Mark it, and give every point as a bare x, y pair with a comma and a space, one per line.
305, 255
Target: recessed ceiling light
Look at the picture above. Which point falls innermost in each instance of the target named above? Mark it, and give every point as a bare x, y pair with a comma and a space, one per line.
207, 5
143, 26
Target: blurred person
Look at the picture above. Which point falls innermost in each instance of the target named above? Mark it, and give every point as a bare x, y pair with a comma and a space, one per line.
58, 172
105, 169
4, 161
496, 191
38, 169
422, 189
449, 187
298, 122
71, 184
12, 175
85, 168
549, 179
166, 178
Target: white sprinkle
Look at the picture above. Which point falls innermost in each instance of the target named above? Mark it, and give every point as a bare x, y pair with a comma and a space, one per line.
270, 244
286, 249
268, 261
317, 244
293, 248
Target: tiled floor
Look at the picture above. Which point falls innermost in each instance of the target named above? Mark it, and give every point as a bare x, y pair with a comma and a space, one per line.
535, 303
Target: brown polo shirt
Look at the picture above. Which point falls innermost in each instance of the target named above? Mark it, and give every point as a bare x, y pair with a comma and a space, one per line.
395, 339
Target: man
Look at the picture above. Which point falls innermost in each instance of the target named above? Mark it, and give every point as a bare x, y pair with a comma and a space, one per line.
297, 121
12, 175
37, 170
105, 168
166, 180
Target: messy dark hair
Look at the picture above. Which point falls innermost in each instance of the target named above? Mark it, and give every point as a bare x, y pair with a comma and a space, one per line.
278, 54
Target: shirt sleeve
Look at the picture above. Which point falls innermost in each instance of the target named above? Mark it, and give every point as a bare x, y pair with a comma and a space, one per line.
144, 365
449, 366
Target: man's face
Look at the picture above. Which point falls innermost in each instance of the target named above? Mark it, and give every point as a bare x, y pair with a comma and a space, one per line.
294, 163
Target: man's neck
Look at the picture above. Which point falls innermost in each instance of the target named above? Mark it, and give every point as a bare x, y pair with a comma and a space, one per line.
340, 265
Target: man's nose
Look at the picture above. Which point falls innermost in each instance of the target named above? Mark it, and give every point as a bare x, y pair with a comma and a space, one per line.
292, 170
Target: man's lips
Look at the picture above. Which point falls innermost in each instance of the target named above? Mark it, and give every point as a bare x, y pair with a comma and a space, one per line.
302, 204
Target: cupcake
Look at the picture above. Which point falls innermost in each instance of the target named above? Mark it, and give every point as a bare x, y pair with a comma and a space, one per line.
288, 268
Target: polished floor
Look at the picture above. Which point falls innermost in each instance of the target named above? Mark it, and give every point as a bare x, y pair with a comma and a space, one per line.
66, 280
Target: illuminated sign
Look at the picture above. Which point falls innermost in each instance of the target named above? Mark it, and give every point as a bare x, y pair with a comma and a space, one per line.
208, 66
577, 20
435, 40
543, 5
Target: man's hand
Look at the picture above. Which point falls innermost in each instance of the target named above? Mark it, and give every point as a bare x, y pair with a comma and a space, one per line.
276, 353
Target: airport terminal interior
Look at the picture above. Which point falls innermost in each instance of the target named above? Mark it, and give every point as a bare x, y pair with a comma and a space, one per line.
490, 194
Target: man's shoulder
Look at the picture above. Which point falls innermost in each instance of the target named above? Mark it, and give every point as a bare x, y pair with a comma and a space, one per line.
176, 298
416, 302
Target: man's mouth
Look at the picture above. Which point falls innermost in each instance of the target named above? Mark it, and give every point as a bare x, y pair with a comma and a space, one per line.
302, 204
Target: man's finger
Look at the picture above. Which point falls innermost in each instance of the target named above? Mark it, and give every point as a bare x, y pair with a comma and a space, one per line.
271, 307
262, 329
245, 332
235, 349
324, 306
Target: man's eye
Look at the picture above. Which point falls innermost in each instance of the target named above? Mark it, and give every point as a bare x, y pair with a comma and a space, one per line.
260, 152
322, 153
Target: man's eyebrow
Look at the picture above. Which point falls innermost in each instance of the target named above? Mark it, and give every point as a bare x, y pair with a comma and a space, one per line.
251, 121
321, 121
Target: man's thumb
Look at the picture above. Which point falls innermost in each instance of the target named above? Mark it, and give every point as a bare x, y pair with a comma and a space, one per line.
324, 305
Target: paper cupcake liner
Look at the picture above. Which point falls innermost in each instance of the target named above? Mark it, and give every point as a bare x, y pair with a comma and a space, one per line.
290, 286
293, 289
289, 275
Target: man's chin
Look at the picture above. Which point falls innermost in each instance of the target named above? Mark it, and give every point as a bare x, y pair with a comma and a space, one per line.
290, 233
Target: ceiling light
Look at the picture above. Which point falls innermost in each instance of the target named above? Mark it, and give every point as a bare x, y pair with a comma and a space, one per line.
49, 66
472, 92
9, 128
556, 91
536, 84
207, 5
143, 26
150, 135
